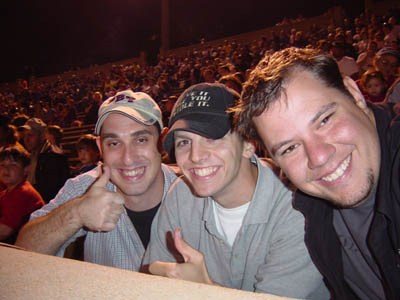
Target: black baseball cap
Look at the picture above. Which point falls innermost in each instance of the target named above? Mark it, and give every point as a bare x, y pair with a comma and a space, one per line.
202, 109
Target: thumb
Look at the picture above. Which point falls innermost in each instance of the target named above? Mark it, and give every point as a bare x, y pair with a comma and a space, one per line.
104, 177
184, 249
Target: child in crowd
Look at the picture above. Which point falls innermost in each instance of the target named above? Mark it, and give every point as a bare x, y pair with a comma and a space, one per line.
373, 86
88, 152
20, 198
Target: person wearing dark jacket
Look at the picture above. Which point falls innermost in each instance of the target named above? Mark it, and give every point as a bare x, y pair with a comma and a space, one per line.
343, 155
49, 169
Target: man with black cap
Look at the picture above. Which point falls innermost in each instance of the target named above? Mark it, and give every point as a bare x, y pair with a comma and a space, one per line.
112, 205
230, 215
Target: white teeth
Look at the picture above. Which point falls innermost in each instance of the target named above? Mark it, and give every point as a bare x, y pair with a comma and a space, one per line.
339, 171
134, 172
205, 171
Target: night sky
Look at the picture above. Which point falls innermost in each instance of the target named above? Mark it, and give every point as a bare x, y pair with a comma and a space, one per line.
50, 36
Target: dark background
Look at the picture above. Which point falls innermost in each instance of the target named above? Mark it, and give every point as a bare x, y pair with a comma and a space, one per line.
48, 37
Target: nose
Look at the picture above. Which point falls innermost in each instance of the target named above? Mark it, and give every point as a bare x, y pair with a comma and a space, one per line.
128, 155
197, 152
318, 152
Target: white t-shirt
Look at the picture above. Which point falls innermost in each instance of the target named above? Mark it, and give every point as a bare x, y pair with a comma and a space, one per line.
229, 220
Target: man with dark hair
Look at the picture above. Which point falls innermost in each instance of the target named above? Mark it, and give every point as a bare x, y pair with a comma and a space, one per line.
232, 218
343, 156
20, 198
112, 205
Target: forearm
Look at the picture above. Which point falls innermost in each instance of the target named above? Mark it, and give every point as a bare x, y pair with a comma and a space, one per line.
48, 233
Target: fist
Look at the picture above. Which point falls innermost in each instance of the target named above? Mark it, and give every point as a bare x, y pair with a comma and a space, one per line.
99, 209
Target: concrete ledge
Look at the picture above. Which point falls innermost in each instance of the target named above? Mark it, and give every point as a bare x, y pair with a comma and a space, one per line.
28, 275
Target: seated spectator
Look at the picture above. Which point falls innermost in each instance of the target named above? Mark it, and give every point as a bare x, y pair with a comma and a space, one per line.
387, 61
88, 153
373, 86
20, 198
54, 135
49, 170
8, 136
347, 64
365, 59
93, 107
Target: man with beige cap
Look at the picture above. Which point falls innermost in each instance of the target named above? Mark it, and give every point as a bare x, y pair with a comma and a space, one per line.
114, 204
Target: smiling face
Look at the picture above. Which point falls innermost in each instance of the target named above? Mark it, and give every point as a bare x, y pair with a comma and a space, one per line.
326, 144
130, 150
213, 167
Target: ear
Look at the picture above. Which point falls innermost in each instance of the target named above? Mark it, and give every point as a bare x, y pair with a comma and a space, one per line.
352, 87
98, 143
248, 149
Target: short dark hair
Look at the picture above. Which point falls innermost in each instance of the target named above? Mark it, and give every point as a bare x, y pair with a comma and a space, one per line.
265, 84
18, 154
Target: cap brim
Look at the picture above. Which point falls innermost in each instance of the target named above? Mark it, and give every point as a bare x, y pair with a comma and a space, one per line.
25, 127
212, 127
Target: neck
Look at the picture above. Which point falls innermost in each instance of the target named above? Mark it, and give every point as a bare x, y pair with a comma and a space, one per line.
11, 187
241, 189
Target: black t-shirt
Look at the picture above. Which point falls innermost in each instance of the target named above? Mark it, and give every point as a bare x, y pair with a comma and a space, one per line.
142, 220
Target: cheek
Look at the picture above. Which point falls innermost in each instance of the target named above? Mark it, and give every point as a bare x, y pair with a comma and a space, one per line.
295, 169
345, 130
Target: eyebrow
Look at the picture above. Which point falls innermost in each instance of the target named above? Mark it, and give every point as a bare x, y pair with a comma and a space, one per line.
322, 111
134, 134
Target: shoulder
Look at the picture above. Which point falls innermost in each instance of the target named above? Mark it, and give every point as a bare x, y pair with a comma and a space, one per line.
269, 177
79, 184
181, 195
170, 171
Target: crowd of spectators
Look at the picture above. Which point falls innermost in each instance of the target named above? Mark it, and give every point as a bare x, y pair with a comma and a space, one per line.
75, 101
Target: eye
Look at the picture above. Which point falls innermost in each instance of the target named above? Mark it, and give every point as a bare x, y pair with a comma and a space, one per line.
289, 149
112, 144
325, 120
181, 143
142, 140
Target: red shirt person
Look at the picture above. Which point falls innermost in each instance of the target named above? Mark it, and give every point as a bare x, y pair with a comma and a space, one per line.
20, 198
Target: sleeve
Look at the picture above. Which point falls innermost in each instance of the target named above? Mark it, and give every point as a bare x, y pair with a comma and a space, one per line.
161, 245
288, 269
393, 94
72, 189
16, 209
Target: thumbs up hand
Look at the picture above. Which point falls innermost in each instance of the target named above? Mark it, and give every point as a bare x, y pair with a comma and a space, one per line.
193, 269
99, 209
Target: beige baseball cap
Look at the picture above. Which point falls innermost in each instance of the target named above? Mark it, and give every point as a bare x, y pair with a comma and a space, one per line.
138, 106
